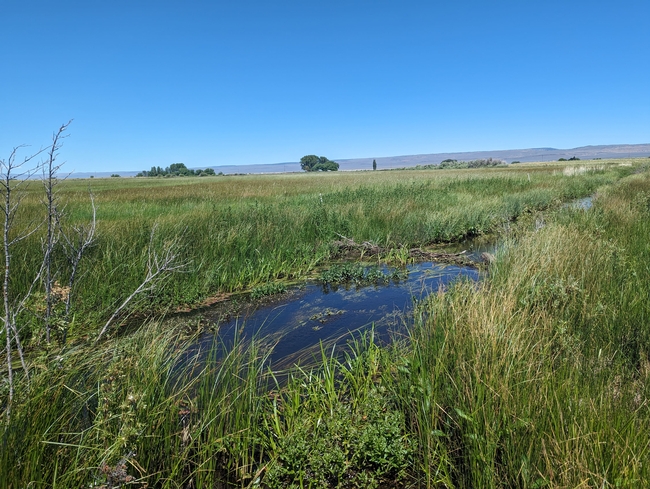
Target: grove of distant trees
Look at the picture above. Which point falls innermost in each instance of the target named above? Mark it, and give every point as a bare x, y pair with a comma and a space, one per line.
480, 163
450, 164
317, 163
175, 170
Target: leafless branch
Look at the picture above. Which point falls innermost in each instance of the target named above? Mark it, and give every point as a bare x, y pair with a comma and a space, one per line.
160, 264
13, 175
75, 245
50, 170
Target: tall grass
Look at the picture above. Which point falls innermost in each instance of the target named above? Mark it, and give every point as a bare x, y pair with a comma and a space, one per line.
240, 232
540, 376
144, 410
537, 377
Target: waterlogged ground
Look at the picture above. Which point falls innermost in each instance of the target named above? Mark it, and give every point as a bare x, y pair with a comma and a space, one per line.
581, 204
297, 322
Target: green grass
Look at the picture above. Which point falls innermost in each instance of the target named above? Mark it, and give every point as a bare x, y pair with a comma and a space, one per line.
240, 232
537, 377
540, 378
145, 401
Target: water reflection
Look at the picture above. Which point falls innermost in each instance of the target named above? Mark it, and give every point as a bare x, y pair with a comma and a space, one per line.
583, 204
297, 324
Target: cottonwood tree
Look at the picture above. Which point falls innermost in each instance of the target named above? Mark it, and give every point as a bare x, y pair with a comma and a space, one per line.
318, 163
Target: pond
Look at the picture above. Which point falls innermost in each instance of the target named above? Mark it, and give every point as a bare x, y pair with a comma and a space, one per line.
296, 323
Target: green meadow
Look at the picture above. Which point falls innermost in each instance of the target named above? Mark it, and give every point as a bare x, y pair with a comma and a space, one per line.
237, 232
537, 377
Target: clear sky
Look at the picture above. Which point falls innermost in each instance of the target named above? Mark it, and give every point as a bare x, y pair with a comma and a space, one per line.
240, 82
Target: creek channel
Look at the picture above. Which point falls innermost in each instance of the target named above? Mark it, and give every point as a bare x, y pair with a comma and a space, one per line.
296, 323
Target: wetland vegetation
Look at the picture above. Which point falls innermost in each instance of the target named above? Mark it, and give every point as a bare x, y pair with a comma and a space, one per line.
536, 377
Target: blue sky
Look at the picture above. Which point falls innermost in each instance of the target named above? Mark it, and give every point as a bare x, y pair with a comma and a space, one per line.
242, 82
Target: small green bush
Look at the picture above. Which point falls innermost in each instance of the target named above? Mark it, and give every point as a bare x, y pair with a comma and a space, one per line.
268, 289
358, 274
337, 426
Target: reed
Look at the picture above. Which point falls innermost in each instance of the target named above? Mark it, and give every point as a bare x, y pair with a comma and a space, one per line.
240, 232
537, 377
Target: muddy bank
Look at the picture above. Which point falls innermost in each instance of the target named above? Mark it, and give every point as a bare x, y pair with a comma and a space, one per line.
348, 248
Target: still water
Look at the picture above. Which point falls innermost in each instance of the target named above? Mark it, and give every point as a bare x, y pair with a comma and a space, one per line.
296, 323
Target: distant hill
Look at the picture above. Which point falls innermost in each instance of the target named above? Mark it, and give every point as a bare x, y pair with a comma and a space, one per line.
388, 162
509, 155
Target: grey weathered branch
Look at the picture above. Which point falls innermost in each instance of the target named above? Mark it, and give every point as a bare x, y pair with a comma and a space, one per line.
159, 265
13, 175
76, 246
50, 181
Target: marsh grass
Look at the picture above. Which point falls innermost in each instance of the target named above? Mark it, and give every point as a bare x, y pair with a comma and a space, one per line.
358, 274
241, 232
540, 378
537, 377
145, 410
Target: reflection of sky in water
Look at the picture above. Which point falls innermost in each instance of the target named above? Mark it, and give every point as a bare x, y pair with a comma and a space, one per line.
583, 204
313, 315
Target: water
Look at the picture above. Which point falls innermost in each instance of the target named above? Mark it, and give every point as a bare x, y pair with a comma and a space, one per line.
475, 248
296, 323
583, 204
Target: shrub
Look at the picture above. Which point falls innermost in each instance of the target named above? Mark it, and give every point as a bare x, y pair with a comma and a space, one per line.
268, 289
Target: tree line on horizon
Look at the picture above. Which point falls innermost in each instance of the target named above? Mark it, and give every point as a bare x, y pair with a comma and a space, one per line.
176, 170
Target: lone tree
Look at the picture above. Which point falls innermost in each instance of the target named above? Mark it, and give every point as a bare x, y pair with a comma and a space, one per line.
374, 164
316, 163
